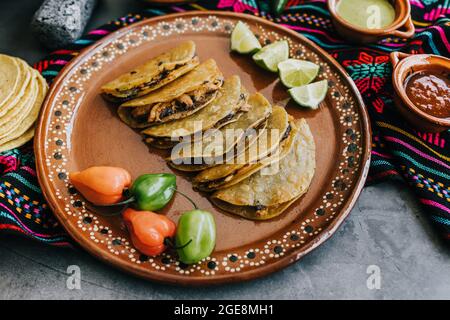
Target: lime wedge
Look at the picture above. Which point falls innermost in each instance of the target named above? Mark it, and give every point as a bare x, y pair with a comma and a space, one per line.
296, 73
310, 95
271, 55
243, 40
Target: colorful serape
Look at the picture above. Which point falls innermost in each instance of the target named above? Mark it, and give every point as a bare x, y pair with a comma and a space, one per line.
421, 159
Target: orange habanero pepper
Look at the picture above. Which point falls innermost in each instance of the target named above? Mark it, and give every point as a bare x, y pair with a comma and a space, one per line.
101, 185
149, 231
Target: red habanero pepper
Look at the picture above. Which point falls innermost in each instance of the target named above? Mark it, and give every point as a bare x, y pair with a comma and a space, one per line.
150, 232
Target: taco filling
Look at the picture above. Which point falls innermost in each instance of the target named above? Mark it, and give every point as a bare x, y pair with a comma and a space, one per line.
223, 109
172, 110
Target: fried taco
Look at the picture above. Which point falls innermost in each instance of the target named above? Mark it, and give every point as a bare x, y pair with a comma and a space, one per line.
261, 197
270, 146
224, 141
177, 100
251, 137
224, 109
153, 74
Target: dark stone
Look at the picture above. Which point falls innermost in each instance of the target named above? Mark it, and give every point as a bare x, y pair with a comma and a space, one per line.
58, 23
320, 212
87, 220
352, 147
72, 190
77, 204
62, 175
278, 249
294, 237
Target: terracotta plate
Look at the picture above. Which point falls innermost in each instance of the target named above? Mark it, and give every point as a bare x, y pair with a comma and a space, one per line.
78, 129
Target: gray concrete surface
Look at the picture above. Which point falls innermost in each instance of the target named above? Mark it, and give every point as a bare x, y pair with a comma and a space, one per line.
386, 229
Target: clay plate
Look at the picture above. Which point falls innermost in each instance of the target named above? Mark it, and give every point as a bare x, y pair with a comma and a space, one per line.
78, 129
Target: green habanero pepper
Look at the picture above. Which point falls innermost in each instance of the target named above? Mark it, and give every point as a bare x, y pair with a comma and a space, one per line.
151, 192
278, 6
195, 236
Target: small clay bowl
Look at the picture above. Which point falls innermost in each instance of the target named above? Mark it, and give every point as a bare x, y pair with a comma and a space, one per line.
360, 35
404, 65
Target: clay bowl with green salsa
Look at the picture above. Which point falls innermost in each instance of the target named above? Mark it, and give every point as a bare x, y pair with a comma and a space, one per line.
422, 90
368, 21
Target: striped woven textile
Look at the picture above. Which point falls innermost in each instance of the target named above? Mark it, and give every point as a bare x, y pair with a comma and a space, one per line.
420, 159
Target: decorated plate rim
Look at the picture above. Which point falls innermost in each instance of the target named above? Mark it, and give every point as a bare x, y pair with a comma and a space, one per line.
181, 279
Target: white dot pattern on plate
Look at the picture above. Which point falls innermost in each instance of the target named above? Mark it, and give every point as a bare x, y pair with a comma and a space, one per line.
315, 222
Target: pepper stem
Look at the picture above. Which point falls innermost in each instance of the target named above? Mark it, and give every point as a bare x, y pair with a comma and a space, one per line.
187, 197
168, 242
124, 202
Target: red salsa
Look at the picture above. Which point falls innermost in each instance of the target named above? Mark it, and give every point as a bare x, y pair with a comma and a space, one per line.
430, 91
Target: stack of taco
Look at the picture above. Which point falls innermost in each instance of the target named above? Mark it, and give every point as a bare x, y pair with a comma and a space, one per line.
22, 92
252, 158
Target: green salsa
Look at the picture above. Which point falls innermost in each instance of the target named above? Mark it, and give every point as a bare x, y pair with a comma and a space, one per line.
367, 14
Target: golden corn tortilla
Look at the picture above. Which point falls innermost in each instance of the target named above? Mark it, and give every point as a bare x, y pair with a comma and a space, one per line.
222, 110
224, 140
224, 175
15, 115
24, 79
262, 197
9, 78
18, 142
24, 126
153, 74
178, 99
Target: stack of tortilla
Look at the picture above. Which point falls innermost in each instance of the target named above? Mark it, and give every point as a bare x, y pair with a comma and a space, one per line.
22, 92
252, 158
